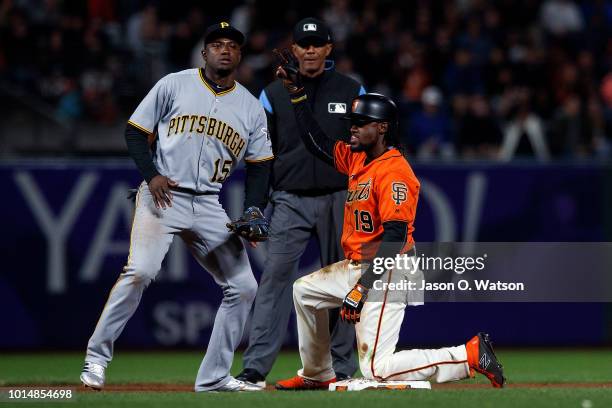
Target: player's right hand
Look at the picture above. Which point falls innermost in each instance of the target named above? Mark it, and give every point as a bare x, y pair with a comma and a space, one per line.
288, 70
159, 186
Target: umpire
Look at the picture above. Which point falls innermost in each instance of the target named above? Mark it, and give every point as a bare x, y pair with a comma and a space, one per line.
308, 199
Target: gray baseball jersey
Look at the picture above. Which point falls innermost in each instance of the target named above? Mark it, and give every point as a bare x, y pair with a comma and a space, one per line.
202, 134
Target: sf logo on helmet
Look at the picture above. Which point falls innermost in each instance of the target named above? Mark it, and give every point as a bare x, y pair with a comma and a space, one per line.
399, 192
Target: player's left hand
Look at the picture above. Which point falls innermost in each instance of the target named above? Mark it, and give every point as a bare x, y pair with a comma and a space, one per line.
252, 226
353, 303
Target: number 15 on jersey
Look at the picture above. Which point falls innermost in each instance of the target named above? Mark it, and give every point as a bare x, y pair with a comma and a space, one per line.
222, 170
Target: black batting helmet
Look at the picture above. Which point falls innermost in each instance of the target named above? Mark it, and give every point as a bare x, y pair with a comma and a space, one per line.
373, 106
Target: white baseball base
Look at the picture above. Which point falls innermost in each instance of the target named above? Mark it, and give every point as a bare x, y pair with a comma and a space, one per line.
359, 384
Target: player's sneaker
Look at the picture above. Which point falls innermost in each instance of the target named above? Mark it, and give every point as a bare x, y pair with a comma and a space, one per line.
235, 385
252, 376
93, 376
342, 377
482, 359
298, 383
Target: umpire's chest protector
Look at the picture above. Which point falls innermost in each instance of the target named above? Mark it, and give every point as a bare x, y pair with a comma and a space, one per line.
295, 169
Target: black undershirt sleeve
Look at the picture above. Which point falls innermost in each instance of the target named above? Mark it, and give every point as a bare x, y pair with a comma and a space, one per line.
314, 138
272, 130
138, 149
257, 184
393, 240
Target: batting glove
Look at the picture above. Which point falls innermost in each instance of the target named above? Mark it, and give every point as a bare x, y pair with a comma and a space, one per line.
353, 303
289, 71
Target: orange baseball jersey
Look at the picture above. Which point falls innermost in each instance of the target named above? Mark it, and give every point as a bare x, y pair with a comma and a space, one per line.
385, 189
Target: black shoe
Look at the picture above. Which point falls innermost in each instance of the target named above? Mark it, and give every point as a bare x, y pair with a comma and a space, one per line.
482, 359
342, 377
252, 376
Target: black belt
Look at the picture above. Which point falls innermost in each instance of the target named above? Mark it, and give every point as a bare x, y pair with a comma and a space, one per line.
193, 192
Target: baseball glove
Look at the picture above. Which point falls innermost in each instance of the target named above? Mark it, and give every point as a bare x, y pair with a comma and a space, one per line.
252, 225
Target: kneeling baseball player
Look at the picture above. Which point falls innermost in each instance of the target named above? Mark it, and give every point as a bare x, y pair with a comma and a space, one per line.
380, 209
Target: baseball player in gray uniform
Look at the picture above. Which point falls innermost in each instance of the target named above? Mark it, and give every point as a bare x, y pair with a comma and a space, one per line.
203, 123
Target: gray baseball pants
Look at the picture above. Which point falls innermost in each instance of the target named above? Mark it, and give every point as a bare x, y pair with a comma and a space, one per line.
294, 219
200, 221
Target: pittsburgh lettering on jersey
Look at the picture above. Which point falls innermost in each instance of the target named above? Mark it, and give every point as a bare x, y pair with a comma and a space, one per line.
362, 192
210, 127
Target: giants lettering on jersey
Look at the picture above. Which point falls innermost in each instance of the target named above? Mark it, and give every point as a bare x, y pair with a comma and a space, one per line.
216, 128
362, 192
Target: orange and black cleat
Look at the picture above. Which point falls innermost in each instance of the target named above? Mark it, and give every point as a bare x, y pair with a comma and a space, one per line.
298, 383
482, 359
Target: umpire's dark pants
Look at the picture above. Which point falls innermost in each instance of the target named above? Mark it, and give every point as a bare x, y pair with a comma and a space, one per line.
294, 219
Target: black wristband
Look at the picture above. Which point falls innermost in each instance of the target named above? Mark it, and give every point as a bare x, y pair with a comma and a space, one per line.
298, 96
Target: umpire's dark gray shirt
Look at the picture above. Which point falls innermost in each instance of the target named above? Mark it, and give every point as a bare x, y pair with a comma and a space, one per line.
294, 168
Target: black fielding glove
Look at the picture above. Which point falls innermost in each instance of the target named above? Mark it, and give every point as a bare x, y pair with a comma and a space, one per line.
252, 225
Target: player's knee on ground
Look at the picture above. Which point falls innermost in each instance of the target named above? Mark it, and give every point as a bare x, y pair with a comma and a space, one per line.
365, 363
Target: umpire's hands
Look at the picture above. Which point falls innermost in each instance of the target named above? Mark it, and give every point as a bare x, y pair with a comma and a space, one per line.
353, 303
159, 186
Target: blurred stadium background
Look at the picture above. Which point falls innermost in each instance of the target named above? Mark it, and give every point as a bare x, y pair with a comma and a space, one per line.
506, 107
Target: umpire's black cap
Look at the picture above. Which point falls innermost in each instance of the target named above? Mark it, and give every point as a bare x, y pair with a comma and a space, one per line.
374, 107
223, 30
311, 31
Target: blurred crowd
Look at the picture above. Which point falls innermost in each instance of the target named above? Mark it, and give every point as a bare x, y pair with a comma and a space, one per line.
482, 79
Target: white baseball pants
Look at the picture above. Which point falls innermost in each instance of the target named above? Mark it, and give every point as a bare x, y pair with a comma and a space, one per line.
377, 332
